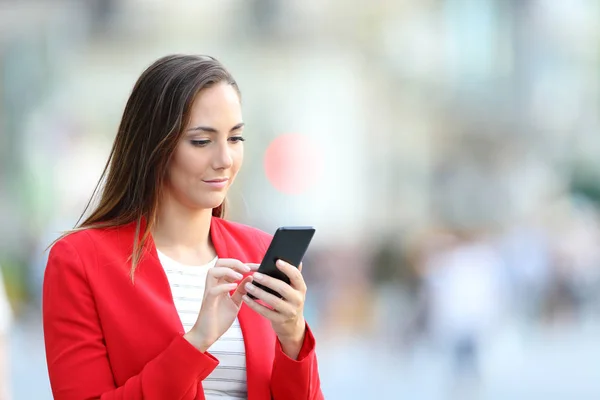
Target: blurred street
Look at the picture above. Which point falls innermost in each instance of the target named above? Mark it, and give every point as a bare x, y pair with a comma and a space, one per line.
28, 362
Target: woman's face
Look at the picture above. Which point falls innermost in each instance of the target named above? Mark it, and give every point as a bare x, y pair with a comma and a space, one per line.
210, 151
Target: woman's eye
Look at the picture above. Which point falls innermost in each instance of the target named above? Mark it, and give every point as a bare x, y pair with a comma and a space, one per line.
236, 139
200, 143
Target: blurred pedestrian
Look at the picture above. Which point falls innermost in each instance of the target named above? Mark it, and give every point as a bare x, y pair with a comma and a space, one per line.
5, 319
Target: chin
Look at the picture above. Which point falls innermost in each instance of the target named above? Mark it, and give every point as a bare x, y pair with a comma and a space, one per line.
209, 201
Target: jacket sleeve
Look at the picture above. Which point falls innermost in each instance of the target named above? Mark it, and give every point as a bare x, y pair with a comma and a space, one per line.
77, 358
296, 379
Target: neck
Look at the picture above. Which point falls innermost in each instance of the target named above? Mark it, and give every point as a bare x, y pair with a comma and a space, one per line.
178, 226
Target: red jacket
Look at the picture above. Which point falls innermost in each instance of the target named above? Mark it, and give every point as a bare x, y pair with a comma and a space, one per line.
108, 338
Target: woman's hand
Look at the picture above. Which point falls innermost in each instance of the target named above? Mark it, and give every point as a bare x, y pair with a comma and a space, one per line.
286, 314
219, 308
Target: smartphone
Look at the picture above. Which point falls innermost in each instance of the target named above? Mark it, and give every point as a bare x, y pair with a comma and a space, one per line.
289, 244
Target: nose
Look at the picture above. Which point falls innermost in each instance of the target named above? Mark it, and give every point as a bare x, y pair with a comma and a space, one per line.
222, 157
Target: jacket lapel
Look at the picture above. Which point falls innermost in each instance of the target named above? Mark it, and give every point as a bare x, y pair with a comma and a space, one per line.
158, 277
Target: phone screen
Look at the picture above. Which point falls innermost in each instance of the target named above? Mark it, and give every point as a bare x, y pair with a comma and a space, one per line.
289, 244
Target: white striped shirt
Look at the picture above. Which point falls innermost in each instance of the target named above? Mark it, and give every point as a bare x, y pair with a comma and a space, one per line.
228, 380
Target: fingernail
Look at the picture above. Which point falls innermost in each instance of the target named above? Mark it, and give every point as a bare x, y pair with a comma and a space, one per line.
238, 275
280, 263
249, 287
245, 298
246, 268
258, 276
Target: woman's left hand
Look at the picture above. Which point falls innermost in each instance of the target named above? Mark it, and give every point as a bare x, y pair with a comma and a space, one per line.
287, 313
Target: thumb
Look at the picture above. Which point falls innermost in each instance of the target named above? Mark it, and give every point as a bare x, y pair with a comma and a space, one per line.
240, 291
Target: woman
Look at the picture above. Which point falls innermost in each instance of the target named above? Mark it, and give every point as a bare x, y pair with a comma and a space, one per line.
147, 298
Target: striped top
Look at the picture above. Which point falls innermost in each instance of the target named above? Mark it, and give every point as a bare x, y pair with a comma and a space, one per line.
228, 380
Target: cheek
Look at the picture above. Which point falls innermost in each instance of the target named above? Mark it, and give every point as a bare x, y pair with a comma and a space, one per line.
183, 168
238, 159
187, 162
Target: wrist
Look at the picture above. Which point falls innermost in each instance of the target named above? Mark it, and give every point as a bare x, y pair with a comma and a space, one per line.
296, 337
292, 343
200, 343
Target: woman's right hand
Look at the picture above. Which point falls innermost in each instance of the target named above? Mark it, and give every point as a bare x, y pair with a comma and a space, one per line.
219, 308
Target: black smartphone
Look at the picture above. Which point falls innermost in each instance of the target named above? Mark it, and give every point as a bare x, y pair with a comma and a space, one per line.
289, 244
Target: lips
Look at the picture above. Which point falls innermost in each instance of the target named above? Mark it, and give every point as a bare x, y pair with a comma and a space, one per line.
218, 180
217, 183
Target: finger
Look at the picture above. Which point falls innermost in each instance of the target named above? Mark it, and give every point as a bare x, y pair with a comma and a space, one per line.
252, 266
296, 279
285, 290
224, 273
300, 267
271, 300
234, 264
221, 289
271, 315
240, 291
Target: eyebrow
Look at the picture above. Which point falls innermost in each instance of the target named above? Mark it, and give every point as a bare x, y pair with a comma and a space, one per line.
213, 130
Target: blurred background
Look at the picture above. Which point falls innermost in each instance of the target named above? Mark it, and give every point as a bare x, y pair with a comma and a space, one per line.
451, 166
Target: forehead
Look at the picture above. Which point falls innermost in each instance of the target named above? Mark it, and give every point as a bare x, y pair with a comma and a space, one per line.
216, 105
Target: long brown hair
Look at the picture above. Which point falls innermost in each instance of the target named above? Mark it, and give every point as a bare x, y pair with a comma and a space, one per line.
153, 121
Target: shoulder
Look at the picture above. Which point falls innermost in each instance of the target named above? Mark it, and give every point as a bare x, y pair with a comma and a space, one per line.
243, 233
84, 254
88, 241
240, 228
74, 241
